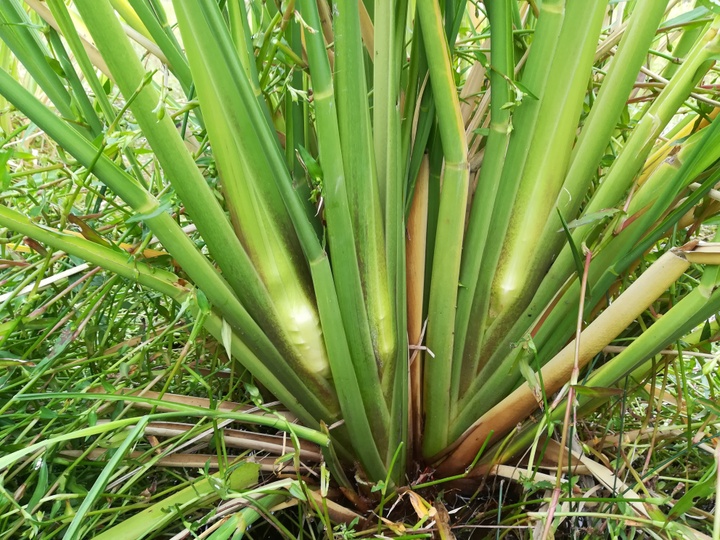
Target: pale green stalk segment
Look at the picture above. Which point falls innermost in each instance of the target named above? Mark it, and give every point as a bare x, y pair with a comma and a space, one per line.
610, 102
385, 99
166, 41
522, 260
242, 37
62, 17
85, 108
252, 197
20, 35
358, 155
389, 34
354, 319
185, 177
353, 359
684, 45
535, 78
449, 234
501, 60
131, 18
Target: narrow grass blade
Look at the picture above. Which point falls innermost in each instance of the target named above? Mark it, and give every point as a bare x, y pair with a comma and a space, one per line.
74, 530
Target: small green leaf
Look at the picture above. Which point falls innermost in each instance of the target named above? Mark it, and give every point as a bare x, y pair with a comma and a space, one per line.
202, 302
296, 491
579, 265
530, 377
56, 67
309, 163
597, 392
5, 179
592, 218
710, 405
226, 334
41, 485
164, 206
712, 5
47, 414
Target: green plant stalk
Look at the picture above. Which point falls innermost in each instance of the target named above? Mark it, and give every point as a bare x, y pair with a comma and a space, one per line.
191, 187
284, 384
450, 228
690, 36
563, 267
413, 80
386, 66
353, 364
165, 40
361, 178
641, 142
60, 12
18, 33
81, 99
417, 140
494, 423
535, 78
605, 268
396, 373
643, 232
601, 122
255, 205
7, 64
242, 37
389, 38
502, 66
240, 30
546, 158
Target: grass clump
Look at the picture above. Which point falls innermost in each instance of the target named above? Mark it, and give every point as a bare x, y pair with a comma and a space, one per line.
450, 264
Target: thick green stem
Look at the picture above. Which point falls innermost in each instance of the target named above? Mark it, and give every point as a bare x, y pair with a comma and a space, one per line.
450, 229
501, 58
361, 177
352, 361
535, 79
